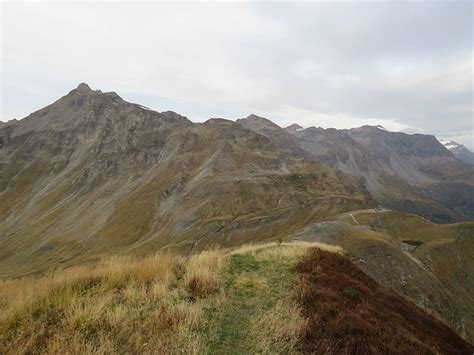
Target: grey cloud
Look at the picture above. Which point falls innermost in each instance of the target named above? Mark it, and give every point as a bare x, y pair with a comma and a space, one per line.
406, 63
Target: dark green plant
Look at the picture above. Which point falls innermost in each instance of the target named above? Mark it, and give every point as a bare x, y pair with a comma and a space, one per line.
350, 292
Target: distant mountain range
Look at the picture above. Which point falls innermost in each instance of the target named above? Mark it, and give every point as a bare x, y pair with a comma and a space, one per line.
410, 173
92, 175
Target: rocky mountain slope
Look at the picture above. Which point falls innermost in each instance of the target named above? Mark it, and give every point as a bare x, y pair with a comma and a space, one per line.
410, 173
92, 174
280, 138
459, 151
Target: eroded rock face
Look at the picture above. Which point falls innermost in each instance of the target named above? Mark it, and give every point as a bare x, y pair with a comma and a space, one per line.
93, 174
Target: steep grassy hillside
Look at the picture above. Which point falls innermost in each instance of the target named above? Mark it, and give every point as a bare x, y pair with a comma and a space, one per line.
254, 299
430, 263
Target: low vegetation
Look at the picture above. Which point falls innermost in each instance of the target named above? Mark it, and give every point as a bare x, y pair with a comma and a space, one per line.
212, 301
252, 299
348, 312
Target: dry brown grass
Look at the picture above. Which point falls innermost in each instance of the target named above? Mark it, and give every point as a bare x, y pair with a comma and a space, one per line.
89, 309
122, 304
203, 273
295, 249
112, 273
278, 329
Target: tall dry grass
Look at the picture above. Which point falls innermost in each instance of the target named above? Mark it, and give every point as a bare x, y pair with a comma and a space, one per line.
92, 309
294, 249
112, 273
122, 304
203, 272
278, 329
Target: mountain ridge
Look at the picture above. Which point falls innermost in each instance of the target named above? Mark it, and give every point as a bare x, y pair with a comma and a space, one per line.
410, 173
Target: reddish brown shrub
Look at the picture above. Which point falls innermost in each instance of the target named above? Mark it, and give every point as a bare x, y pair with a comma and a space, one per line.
348, 312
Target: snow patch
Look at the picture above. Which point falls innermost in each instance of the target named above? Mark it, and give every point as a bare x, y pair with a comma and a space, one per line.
144, 107
449, 144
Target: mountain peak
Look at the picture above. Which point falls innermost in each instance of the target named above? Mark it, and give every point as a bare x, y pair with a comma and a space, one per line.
450, 144
369, 128
254, 121
293, 128
83, 88
253, 117
459, 151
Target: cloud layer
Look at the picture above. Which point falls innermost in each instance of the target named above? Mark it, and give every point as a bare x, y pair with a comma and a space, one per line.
405, 65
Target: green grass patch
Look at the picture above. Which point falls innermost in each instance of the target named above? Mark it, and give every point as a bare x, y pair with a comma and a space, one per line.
254, 283
351, 292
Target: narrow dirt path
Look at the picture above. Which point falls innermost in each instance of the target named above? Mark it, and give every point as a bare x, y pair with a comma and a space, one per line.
354, 219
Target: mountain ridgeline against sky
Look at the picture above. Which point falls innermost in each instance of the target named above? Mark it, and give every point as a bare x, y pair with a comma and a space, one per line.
410, 173
92, 175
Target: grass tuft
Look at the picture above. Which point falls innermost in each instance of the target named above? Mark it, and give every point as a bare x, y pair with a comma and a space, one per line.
203, 272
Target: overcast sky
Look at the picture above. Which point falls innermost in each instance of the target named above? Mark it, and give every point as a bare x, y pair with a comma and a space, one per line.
405, 65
